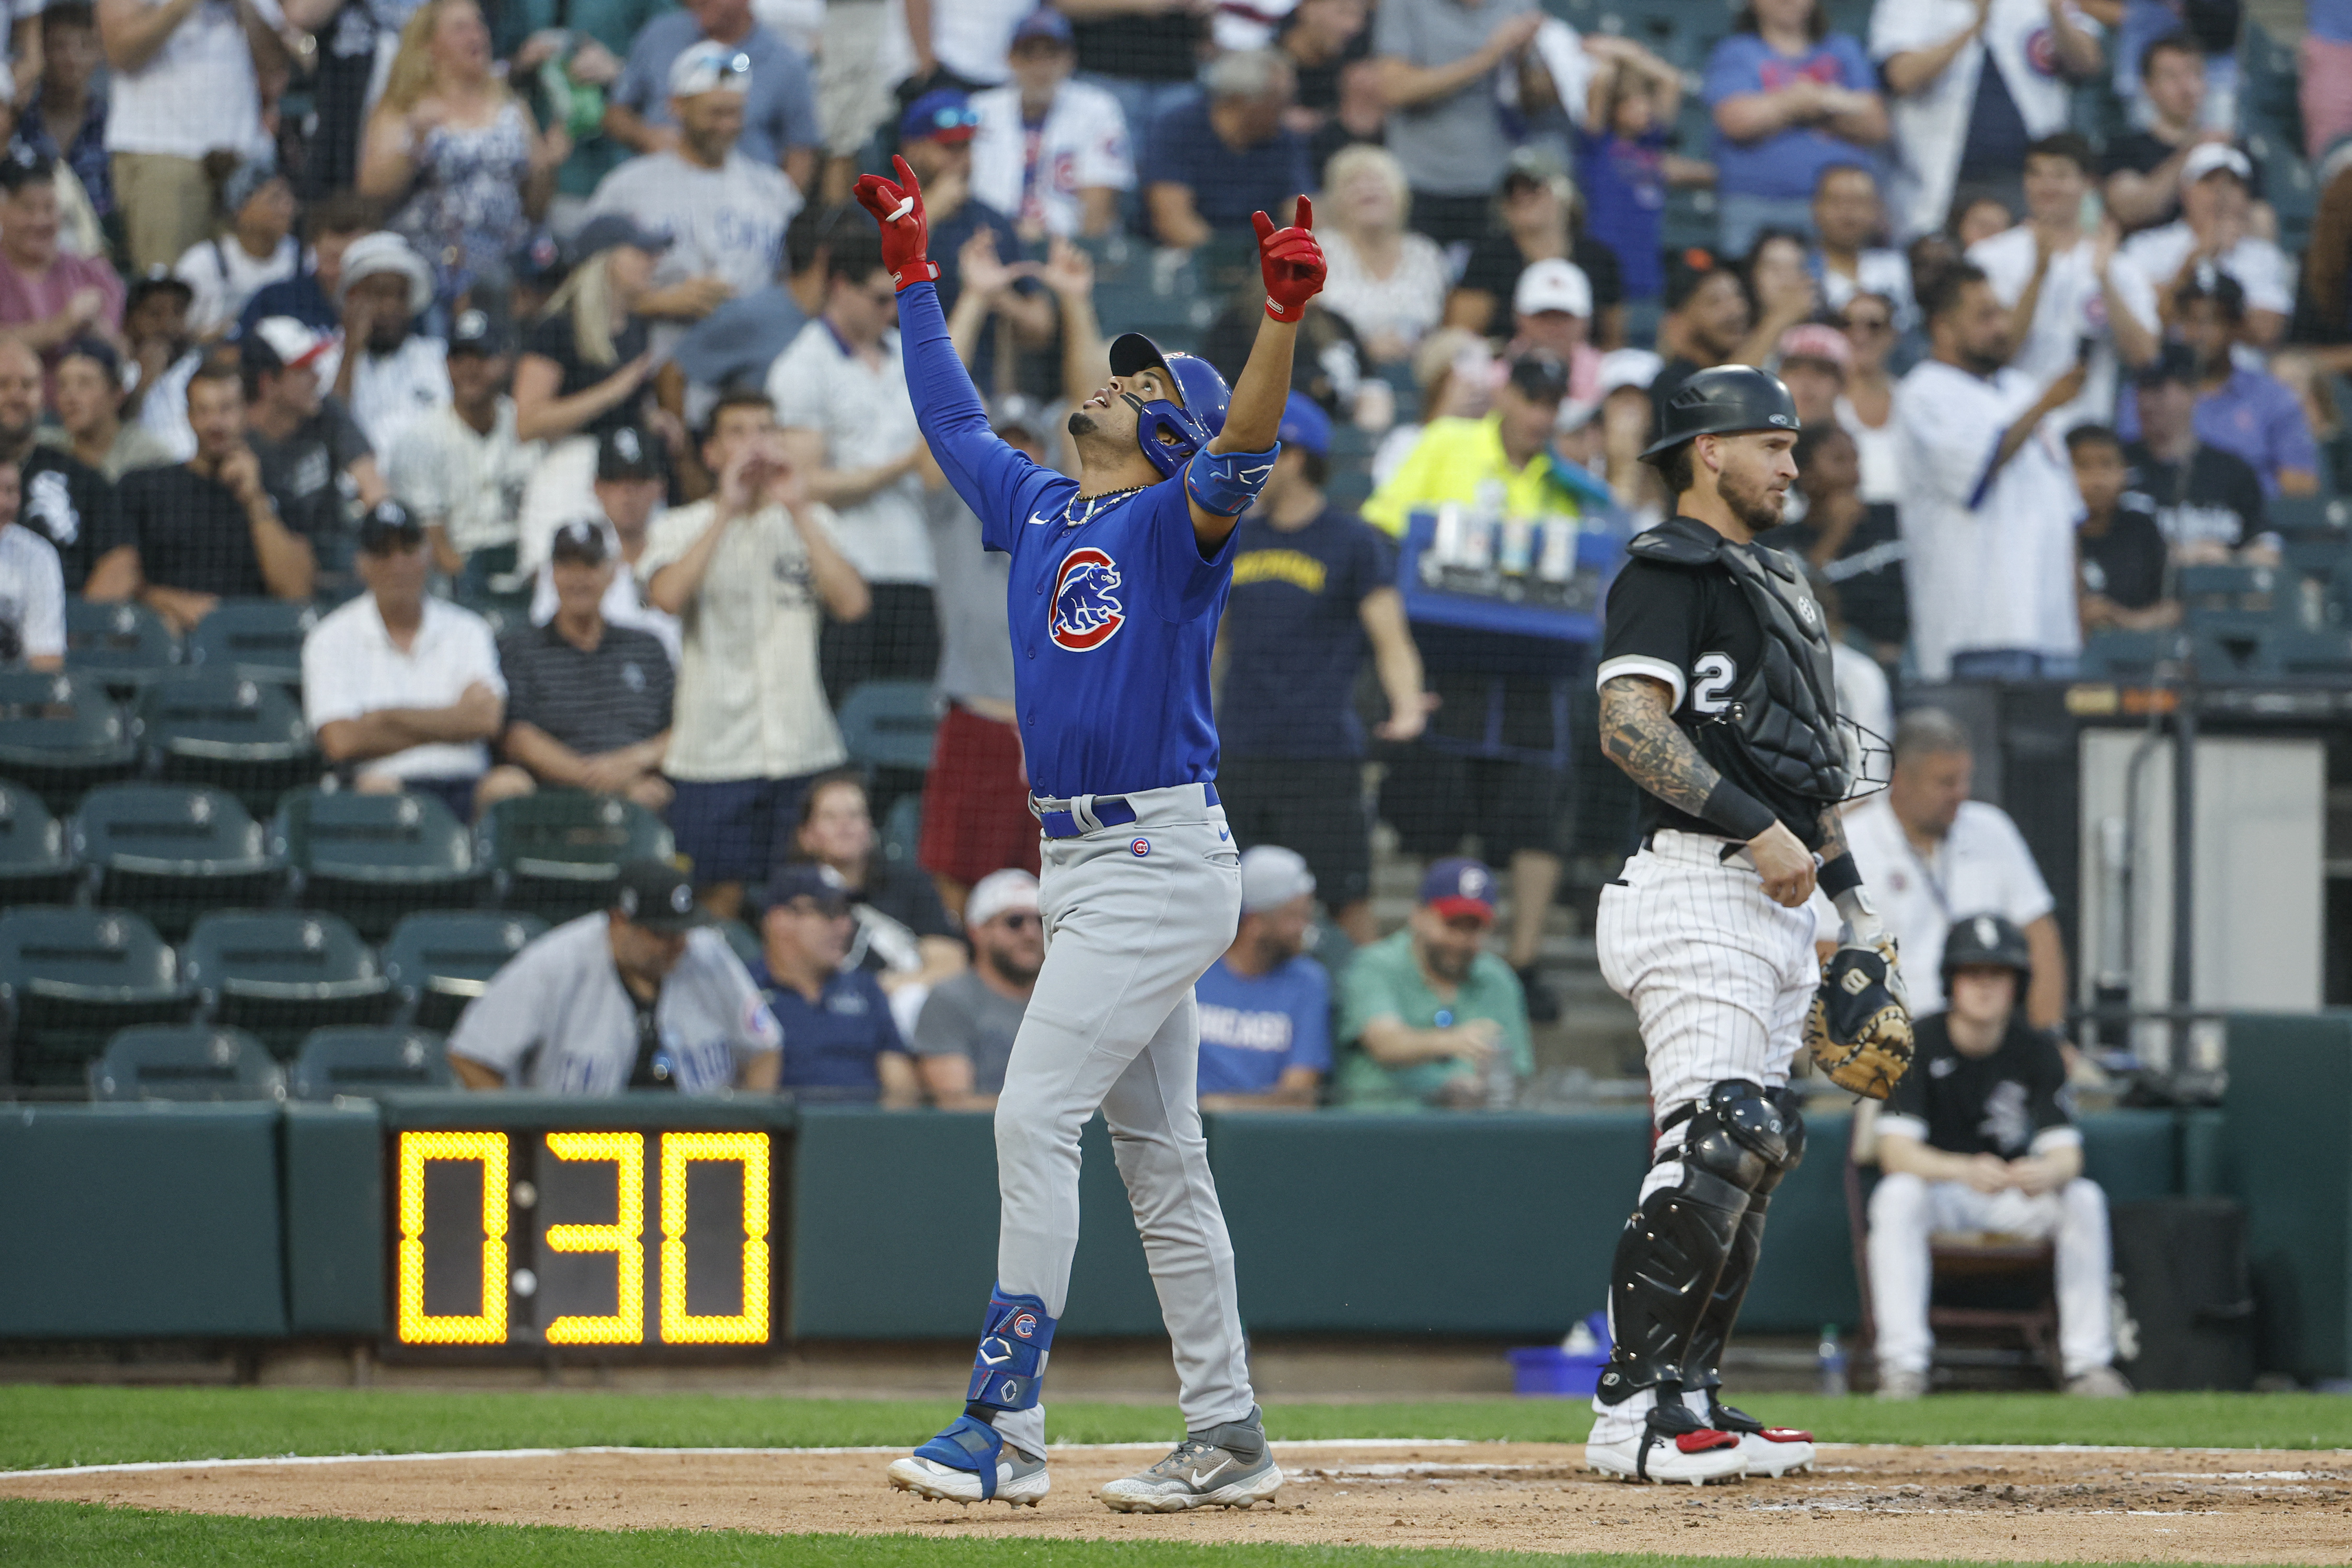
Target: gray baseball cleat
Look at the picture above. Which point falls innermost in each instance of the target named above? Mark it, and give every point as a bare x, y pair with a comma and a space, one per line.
1230, 1466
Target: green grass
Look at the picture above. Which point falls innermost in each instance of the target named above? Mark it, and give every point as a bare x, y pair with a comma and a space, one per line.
80, 1425
71, 1535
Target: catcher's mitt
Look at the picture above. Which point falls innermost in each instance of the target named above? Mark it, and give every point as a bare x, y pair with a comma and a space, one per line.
1859, 1031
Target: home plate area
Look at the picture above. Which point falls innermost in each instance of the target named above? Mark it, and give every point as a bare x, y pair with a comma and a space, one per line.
1990, 1503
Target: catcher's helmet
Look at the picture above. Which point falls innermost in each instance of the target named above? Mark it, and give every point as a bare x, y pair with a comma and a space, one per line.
1976, 940
1194, 422
1722, 401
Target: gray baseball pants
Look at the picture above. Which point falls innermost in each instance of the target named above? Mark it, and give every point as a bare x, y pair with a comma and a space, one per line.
1134, 914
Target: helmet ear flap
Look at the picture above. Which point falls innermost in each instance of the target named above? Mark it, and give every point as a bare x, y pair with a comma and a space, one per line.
1152, 419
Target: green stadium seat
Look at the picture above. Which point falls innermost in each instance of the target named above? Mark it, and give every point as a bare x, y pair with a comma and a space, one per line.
2327, 653
2226, 651
2230, 591
259, 638
2133, 656
902, 830
71, 978
438, 961
60, 735
284, 973
127, 646
36, 858
171, 852
240, 733
373, 859
347, 1060
558, 853
185, 1061
891, 723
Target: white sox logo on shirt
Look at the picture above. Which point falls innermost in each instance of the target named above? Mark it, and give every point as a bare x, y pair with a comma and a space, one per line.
1086, 614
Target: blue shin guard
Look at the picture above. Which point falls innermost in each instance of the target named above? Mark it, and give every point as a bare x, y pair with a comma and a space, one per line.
1010, 1367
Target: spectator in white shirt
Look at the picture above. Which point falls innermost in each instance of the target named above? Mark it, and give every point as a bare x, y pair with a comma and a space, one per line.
1955, 128
391, 375
1866, 407
749, 573
1053, 153
840, 395
403, 689
631, 482
1847, 260
32, 587
1930, 854
259, 248
184, 81
2212, 228
1385, 282
1988, 503
2064, 288
724, 213
460, 469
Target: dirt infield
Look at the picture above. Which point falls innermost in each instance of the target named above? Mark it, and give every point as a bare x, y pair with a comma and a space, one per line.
2057, 1505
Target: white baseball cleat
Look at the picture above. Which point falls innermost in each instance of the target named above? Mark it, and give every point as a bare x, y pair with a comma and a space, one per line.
1671, 1447
1226, 1467
969, 1463
1769, 1450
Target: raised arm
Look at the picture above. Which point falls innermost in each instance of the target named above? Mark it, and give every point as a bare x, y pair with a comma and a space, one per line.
1218, 490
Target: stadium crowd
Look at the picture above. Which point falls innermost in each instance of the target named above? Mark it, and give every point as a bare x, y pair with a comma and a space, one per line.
537, 346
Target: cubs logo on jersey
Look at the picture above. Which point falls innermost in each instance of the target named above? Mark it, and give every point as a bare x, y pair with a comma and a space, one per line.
1086, 610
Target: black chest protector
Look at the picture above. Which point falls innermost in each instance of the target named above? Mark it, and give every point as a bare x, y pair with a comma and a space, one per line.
1784, 712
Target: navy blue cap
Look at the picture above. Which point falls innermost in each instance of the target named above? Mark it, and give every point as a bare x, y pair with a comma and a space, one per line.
807, 880
1304, 424
610, 229
388, 526
477, 333
626, 452
1045, 22
1459, 885
657, 896
941, 115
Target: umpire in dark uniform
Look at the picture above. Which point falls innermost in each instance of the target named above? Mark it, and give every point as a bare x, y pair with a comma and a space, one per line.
1716, 699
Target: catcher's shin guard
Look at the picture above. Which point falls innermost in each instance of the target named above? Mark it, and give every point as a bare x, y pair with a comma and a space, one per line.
1702, 1360
1008, 1372
1669, 1255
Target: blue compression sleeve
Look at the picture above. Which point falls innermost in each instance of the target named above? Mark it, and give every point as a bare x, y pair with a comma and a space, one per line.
984, 471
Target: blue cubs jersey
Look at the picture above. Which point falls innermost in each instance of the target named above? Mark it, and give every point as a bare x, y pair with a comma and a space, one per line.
1112, 606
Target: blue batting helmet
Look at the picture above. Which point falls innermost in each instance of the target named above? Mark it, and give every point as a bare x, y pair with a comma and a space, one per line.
1194, 422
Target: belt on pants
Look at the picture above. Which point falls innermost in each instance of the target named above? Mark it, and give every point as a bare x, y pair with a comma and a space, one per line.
1061, 821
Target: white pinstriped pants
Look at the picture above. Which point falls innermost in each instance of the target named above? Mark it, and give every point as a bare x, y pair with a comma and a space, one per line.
1719, 976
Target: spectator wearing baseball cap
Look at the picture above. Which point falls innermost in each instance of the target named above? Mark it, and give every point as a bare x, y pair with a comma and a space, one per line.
90, 435
588, 702
459, 466
331, 224
1429, 1018
841, 1044
259, 248
586, 368
630, 483
1054, 154
1265, 1006
1814, 360
641, 995
780, 99
725, 212
402, 689
2215, 196
1225, 152
1472, 774
1551, 311
1540, 216
2209, 501
937, 134
390, 374
307, 443
964, 1036
1314, 591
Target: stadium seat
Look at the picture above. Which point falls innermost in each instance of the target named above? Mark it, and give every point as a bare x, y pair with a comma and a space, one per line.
282, 973
745, 942
2133, 656
2317, 517
2230, 591
2324, 653
348, 1061
242, 734
259, 638
438, 961
127, 646
37, 859
185, 1061
902, 830
60, 735
373, 858
170, 852
71, 978
2233, 650
891, 723
557, 852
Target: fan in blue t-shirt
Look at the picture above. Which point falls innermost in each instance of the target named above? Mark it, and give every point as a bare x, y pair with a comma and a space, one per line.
841, 1044
1266, 1007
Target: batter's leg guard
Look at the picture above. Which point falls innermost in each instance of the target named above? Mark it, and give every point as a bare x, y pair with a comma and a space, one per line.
968, 1461
1008, 1372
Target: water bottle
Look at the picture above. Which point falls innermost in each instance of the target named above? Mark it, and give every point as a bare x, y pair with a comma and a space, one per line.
1829, 1364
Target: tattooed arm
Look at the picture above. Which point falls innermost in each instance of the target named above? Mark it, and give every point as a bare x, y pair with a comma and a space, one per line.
1639, 734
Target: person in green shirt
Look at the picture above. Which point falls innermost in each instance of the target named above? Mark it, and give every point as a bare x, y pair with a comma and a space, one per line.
1430, 1018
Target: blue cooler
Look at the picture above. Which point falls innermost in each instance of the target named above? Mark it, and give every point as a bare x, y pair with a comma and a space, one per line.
1555, 1372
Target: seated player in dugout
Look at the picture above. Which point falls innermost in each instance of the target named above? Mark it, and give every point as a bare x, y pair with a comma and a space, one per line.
1980, 1136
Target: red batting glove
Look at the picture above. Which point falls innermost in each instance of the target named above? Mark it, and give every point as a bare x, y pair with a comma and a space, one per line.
897, 206
1291, 262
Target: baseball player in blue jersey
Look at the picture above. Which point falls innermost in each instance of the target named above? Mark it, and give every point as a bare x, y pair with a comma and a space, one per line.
1117, 580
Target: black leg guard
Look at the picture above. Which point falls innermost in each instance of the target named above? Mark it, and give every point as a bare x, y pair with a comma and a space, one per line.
1702, 1360
1669, 1256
